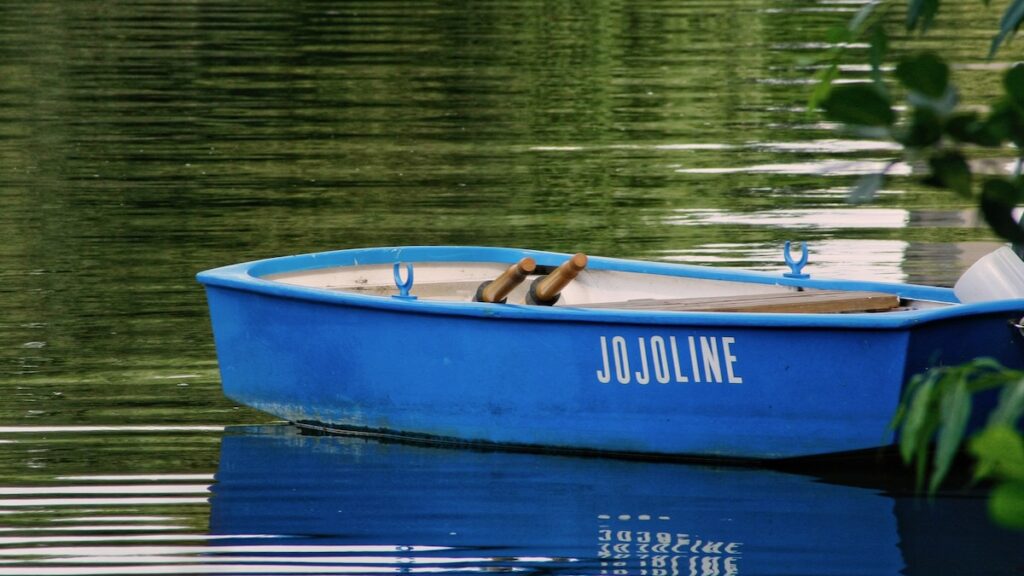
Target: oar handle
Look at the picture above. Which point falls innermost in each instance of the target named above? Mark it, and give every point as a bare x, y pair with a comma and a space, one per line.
546, 289
498, 289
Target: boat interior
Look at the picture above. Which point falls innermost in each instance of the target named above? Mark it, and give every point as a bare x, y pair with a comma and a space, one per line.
602, 289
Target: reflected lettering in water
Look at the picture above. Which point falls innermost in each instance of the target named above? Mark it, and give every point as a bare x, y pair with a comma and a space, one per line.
274, 501
545, 513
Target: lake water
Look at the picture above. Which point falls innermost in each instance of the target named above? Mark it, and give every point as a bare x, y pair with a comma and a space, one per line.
142, 142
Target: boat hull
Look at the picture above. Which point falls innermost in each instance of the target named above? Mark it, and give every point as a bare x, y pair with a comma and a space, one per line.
659, 384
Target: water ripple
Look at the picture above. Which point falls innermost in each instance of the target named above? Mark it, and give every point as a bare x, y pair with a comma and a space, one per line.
832, 218
105, 428
818, 167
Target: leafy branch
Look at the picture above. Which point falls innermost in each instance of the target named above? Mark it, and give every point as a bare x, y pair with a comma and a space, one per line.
932, 130
937, 405
935, 132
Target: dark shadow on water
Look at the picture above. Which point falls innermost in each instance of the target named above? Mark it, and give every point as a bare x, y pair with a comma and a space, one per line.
346, 504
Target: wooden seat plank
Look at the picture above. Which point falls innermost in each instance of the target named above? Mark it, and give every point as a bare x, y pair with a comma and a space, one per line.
804, 302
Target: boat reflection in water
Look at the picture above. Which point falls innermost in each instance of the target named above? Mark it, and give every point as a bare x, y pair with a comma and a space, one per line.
352, 505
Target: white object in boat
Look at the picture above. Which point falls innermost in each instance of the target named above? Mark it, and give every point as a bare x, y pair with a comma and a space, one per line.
998, 275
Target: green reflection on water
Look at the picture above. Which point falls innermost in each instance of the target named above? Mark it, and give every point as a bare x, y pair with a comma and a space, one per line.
142, 143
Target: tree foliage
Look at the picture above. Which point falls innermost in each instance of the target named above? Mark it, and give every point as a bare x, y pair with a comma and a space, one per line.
937, 405
940, 136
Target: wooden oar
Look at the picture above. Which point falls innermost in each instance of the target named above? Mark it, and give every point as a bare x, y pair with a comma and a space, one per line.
545, 290
497, 290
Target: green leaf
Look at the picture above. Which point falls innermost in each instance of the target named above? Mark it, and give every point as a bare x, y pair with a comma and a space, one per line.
998, 199
961, 126
920, 421
968, 127
1006, 505
1000, 453
839, 35
925, 129
1013, 124
1013, 81
987, 374
925, 73
867, 186
1010, 407
985, 363
909, 391
950, 170
921, 12
860, 104
956, 409
1002, 118
862, 16
1006, 122
825, 76
1008, 25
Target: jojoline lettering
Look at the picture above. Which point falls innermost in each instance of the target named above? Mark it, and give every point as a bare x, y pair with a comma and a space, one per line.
664, 360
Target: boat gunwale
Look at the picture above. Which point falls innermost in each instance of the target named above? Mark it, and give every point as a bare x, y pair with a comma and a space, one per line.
249, 277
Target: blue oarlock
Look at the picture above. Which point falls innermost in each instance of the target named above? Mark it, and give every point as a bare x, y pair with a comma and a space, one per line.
795, 266
403, 286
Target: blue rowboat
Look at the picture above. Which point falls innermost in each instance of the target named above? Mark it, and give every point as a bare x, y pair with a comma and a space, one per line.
634, 357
